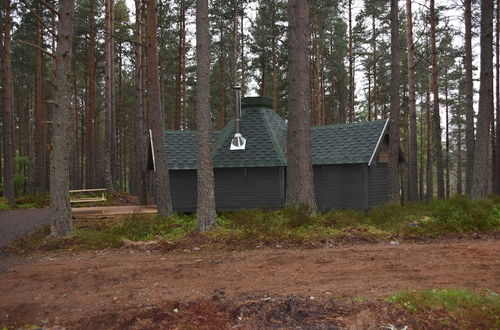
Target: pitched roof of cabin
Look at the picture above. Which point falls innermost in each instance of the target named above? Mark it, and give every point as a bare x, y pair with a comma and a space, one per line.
265, 133
353, 143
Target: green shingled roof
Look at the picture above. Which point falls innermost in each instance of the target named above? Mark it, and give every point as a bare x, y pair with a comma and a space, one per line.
265, 132
346, 143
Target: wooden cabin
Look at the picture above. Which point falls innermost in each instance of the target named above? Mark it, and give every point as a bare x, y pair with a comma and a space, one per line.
349, 163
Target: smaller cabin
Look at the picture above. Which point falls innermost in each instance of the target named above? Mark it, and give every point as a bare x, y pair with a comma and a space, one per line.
349, 163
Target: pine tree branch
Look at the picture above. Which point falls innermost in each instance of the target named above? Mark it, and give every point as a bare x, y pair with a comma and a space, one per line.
38, 19
46, 52
48, 6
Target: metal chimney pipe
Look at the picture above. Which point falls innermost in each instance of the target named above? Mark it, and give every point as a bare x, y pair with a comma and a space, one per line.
238, 142
237, 106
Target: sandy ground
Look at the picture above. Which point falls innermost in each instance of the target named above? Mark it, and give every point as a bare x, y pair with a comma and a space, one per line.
65, 287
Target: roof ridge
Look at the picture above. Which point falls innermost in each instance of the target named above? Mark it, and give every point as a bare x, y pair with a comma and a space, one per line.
274, 140
378, 121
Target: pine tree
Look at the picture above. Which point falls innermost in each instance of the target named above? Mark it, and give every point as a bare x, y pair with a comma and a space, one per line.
300, 186
8, 125
480, 174
59, 167
161, 171
205, 211
393, 166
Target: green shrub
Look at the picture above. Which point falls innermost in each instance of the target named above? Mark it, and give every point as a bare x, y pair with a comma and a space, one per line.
468, 307
343, 218
461, 214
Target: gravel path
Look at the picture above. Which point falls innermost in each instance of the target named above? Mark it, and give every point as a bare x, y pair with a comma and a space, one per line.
15, 223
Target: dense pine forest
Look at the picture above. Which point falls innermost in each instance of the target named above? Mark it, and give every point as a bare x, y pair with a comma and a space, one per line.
116, 68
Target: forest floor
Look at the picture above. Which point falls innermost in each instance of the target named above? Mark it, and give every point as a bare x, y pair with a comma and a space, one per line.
194, 287
15, 223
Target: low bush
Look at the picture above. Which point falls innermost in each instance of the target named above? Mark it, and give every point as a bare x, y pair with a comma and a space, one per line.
469, 308
245, 228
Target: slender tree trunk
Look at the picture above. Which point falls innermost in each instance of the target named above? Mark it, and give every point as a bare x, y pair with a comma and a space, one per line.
393, 166
205, 212
480, 175
2, 54
496, 169
459, 147
110, 144
429, 183
75, 155
421, 169
59, 173
40, 118
469, 109
180, 113
162, 180
438, 155
412, 146
375, 60
140, 142
300, 186
351, 67
234, 53
242, 52
8, 121
91, 114
447, 125
274, 72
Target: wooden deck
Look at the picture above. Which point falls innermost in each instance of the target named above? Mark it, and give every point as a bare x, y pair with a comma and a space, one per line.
110, 211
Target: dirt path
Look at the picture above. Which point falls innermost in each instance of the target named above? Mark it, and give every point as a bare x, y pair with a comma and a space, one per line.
15, 223
64, 287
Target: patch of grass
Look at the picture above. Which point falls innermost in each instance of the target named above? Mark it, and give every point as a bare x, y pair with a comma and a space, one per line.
26, 202
100, 235
471, 309
291, 226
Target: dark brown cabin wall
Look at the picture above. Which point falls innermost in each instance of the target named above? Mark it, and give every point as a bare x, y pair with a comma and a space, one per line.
339, 186
378, 184
246, 188
183, 189
235, 188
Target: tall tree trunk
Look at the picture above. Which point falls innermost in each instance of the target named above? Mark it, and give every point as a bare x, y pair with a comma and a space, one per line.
375, 84
459, 146
469, 92
429, 183
234, 52
438, 155
242, 52
162, 180
300, 185
75, 143
59, 173
496, 169
110, 144
140, 142
447, 125
393, 166
480, 175
205, 211
421, 168
91, 113
8, 124
351, 67
2, 54
412, 146
40, 118
274, 72
180, 111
